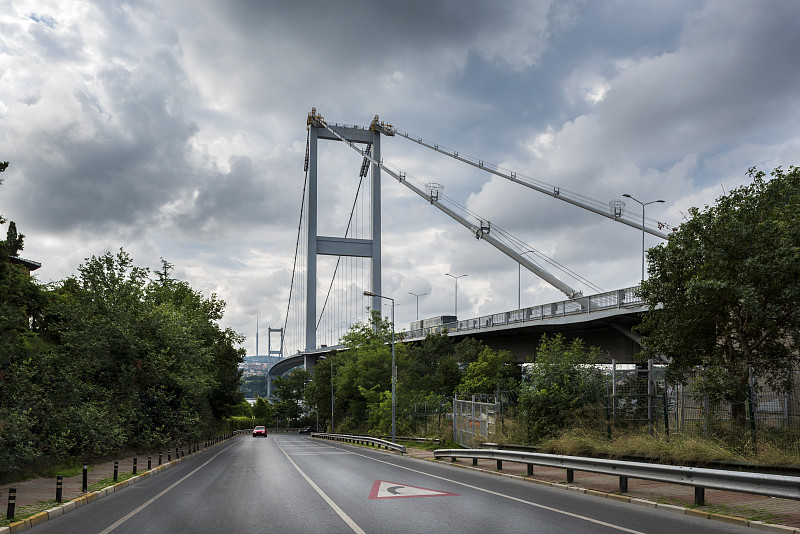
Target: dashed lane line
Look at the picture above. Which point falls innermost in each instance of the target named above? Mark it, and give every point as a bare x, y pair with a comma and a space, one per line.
346, 518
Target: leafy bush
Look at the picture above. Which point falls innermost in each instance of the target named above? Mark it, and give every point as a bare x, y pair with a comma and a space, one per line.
562, 385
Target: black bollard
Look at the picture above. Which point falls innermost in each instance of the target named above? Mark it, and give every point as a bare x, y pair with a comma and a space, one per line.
85, 484
116, 469
149, 463
134, 465
169, 455
12, 502
59, 486
159, 457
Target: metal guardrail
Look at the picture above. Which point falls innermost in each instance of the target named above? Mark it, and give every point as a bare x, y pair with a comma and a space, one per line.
785, 487
361, 440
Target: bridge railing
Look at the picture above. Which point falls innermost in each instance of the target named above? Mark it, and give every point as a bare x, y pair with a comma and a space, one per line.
621, 298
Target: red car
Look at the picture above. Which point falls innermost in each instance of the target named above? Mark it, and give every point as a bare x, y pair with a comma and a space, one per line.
260, 431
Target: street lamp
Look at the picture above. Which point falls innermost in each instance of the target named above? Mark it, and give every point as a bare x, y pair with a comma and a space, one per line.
456, 279
626, 195
394, 369
519, 280
418, 296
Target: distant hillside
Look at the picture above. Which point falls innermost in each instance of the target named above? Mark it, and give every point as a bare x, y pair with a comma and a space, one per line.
256, 359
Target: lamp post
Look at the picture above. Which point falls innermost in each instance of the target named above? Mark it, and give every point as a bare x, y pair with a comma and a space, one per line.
454, 277
519, 280
626, 195
394, 369
418, 296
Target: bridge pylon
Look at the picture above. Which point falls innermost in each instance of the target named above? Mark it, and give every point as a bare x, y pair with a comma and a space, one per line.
341, 246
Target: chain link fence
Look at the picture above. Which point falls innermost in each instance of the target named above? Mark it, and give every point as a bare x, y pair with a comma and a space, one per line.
641, 398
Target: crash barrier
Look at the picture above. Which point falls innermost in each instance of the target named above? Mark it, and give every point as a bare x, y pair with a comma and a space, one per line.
361, 440
785, 487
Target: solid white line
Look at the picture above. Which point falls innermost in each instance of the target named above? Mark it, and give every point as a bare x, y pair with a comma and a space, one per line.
323, 453
537, 505
346, 518
151, 501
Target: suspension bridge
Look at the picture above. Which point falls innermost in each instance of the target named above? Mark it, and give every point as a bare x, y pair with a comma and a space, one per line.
319, 314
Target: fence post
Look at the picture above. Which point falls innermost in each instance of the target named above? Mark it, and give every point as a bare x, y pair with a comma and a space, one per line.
455, 417
614, 392
666, 412
608, 413
650, 396
751, 406
472, 434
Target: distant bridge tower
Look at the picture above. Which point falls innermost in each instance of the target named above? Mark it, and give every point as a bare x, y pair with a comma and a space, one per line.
273, 356
341, 246
270, 352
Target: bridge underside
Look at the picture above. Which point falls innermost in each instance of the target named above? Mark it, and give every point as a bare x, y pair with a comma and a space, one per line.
612, 334
611, 331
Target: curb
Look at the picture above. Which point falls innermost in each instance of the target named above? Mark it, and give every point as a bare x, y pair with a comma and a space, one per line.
757, 525
74, 504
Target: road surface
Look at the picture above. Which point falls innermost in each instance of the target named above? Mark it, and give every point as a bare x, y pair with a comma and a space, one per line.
288, 483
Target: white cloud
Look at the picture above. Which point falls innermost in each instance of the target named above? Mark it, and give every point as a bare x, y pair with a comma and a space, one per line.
180, 133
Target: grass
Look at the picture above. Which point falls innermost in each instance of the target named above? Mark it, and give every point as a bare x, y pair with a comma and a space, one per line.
678, 449
109, 481
23, 512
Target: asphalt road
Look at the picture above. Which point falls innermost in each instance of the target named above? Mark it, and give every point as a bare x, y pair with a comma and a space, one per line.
291, 483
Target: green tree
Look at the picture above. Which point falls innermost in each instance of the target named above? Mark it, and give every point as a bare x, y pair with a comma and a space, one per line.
561, 385
431, 367
364, 367
263, 411
723, 291
318, 390
290, 389
26, 376
494, 370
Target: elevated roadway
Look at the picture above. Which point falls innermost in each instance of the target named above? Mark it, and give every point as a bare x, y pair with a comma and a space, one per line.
604, 320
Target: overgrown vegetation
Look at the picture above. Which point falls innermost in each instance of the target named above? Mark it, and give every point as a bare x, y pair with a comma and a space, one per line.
428, 374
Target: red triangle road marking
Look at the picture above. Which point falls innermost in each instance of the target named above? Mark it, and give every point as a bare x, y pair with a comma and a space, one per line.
383, 489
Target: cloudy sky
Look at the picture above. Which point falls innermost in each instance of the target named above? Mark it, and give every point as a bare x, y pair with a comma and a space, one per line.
177, 130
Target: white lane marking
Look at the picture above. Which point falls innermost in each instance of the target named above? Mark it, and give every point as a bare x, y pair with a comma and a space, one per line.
151, 501
322, 453
346, 518
523, 501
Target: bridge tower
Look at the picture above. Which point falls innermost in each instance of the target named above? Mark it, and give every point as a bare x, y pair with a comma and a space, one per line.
341, 246
270, 352
278, 354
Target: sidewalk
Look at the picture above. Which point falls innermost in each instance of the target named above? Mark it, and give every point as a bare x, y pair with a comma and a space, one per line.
39, 494
763, 513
